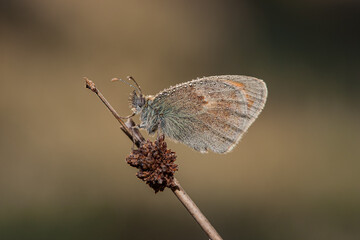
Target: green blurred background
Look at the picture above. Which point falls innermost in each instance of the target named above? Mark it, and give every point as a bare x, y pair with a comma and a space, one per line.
63, 174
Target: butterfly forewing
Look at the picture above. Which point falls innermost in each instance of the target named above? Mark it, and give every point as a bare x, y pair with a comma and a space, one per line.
210, 113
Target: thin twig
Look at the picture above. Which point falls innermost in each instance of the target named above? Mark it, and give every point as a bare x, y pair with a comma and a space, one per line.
177, 190
195, 211
90, 85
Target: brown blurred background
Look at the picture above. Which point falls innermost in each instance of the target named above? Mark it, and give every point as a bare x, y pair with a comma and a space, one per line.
62, 155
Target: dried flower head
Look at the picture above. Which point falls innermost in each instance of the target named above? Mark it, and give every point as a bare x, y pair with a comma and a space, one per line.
155, 163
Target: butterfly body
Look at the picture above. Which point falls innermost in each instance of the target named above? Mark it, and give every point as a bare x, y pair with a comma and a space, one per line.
210, 113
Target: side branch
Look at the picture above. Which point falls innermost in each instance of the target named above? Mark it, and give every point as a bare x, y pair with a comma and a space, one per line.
90, 85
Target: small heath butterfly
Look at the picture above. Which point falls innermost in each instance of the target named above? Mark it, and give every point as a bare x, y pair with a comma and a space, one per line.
209, 113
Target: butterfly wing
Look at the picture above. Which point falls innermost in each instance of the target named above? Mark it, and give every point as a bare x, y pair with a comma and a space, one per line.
210, 113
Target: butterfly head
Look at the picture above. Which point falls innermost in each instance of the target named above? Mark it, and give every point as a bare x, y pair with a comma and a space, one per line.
137, 101
142, 105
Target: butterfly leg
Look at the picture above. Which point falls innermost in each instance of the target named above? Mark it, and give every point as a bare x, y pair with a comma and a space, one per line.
127, 117
158, 130
134, 130
133, 137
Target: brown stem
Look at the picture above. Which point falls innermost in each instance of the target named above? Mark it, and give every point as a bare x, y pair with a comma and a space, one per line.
90, 85
195, 211
177, 189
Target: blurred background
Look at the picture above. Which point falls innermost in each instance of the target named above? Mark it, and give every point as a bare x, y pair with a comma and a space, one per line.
63, 175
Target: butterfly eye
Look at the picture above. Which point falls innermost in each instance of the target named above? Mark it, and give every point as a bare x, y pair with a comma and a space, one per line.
137, 101
142, 100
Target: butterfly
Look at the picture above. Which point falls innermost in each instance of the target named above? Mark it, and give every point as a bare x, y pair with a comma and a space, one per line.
209, 113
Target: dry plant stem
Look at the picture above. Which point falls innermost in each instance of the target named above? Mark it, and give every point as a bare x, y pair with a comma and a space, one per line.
177, 190
124, 128
195, 211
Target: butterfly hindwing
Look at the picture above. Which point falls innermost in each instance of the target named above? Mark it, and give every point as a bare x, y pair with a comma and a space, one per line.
210, 113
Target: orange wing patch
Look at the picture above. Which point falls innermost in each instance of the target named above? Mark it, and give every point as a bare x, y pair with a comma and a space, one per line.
250, 101
236, 84
202, 99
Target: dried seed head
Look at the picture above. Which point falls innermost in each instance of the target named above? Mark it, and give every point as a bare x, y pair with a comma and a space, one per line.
155, 163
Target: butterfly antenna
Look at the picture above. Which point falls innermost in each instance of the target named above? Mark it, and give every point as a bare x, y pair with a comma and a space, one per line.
136, 88
130, 78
